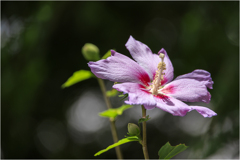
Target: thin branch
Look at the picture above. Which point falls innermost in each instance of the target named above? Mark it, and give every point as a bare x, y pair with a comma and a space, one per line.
112, 122
144, 130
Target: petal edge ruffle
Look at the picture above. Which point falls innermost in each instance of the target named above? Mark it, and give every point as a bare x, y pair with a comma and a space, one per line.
199, 75
204, 111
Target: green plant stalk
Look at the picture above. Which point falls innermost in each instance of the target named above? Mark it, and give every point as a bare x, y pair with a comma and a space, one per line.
112, 121
144, 134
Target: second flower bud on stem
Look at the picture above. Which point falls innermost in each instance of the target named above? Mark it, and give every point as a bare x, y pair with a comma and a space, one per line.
133, 129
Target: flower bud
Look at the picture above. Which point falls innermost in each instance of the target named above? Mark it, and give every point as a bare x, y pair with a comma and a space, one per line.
133, 129
90, 52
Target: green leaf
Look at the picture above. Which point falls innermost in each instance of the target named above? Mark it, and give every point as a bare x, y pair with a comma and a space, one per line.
78, 76
120, 142
109, 113
112, 93
167, 151
123, 108
114, 112
108, 54
143, 119
123, 95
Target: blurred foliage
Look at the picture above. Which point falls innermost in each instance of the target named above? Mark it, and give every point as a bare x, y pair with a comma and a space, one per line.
167, 151
108, 54
41, 48
112, 93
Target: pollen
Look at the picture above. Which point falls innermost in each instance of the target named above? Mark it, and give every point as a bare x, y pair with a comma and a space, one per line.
156, 85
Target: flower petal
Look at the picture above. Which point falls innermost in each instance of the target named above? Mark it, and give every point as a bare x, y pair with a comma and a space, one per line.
199, 75
149, 107
205, 112
178, 108
172, 105
119, 68
188, 90
143, 55
136, 94
149, 61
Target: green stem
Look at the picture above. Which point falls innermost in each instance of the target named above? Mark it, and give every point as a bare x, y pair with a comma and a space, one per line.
144, 130
112, 121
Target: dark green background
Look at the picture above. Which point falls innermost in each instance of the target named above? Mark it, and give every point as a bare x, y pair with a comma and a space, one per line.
41, 48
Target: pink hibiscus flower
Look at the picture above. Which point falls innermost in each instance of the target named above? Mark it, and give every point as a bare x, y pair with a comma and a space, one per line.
148, 80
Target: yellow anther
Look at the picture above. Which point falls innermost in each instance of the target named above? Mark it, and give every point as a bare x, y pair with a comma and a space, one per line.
156, 85
161, 55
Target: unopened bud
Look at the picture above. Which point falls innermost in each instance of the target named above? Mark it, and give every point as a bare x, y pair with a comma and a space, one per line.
133, 129
90, 52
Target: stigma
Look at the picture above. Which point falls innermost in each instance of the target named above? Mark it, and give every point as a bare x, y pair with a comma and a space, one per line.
156, 84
